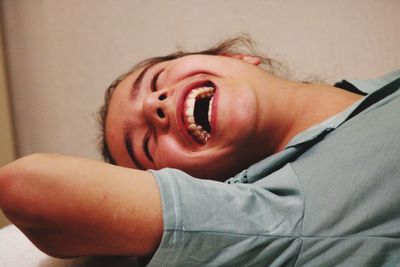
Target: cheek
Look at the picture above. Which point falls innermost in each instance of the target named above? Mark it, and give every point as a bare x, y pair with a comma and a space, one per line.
219, 165
215, 165
169, 153
188, 66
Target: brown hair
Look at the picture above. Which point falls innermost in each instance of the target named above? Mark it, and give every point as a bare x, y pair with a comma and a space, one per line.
238, 45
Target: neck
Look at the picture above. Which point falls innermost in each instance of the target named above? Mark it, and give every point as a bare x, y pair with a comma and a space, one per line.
298, 106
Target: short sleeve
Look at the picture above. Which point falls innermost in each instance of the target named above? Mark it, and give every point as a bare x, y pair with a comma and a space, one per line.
209, 223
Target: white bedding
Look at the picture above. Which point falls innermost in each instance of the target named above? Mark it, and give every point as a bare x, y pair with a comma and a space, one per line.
17, 251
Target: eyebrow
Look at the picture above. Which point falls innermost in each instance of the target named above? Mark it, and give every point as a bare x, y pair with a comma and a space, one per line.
137, 83
129, 147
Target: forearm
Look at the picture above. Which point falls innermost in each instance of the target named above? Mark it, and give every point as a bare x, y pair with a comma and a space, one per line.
71, 206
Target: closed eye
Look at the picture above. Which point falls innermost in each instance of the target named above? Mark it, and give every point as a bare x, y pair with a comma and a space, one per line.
153, 84
146, 146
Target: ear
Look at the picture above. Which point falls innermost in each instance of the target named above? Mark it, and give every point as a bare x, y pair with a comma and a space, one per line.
248, 58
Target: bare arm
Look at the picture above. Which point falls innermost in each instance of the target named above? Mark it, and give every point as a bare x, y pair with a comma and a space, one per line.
73, 207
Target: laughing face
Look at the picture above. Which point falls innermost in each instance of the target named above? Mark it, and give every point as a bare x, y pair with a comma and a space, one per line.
197, 113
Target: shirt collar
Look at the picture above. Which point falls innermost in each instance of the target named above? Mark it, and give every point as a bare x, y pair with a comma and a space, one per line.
333, 122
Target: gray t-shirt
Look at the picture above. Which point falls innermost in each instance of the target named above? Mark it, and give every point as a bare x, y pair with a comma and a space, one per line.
330, 198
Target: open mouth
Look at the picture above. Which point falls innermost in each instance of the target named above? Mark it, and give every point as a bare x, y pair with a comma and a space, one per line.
198, 112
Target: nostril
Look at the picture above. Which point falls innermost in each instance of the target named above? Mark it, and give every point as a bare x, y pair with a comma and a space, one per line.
162, 97
160, 113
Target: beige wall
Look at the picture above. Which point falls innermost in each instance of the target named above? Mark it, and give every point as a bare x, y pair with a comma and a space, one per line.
6, 135
62, 54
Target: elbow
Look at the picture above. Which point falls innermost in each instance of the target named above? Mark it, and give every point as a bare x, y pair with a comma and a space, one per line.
17, 186
11, 177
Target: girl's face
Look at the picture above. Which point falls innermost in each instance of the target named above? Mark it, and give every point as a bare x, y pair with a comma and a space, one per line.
198, 113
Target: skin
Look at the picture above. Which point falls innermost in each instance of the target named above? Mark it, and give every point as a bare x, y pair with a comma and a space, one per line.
252, 119
239, 83
71, 206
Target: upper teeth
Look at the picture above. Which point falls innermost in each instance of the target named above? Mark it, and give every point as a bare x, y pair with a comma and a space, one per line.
195, 130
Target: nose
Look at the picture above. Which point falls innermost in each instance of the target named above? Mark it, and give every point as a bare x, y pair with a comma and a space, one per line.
155, 108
